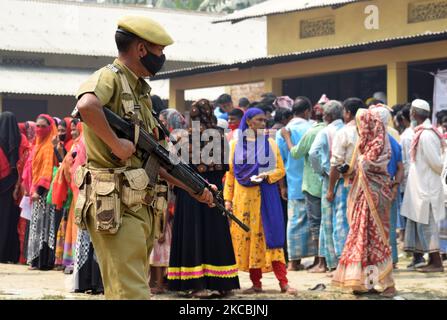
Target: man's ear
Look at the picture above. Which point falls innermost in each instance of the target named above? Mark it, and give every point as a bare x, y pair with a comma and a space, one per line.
141, 49
308, 113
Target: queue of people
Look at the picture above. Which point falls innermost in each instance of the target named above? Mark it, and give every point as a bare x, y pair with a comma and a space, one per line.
344, 182
39, 159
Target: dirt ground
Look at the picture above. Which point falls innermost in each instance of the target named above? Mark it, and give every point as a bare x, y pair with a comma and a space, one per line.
17, 282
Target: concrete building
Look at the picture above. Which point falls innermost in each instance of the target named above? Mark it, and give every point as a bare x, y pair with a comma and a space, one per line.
48, 48
339, 47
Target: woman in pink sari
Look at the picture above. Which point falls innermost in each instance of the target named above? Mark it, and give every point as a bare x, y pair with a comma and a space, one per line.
366, 260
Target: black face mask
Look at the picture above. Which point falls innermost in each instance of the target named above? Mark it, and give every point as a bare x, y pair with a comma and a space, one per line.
152, 62
62, 137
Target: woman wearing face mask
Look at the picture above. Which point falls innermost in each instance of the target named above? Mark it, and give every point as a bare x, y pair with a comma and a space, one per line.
62, 197
42, 234
251, 192
64, 140
78, 247
202, 256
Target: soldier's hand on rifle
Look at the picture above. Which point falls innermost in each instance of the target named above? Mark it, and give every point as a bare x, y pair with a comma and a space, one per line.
229, 205
124, 149
205, 197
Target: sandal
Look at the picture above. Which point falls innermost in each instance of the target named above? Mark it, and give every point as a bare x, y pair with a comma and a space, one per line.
360, 293
224, 293
390, 294
157, 290
201, 294
252, 290
317, 270
318, 287
430, 269
289, 290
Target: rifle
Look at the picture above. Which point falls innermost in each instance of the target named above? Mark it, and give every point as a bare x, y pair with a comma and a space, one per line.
148, 145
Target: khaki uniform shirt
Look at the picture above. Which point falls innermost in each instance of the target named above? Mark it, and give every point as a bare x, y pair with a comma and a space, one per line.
106, 85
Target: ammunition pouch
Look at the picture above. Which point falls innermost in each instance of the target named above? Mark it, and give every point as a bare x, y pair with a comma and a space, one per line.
106, 200
134, 189
82, 180
160, 206
99, 191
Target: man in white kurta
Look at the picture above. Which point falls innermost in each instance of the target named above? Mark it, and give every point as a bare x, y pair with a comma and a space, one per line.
405, 142
423, 203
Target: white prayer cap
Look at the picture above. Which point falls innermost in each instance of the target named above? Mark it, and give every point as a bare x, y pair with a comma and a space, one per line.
421, 104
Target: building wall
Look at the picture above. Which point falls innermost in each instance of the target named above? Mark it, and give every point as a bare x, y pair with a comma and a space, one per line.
394, 60
327, 27
251, 91
28, 107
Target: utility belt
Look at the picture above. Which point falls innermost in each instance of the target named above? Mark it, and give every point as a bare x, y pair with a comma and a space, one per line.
109, 192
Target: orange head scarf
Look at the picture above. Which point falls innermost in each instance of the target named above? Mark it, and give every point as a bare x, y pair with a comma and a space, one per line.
43, 159
68, 142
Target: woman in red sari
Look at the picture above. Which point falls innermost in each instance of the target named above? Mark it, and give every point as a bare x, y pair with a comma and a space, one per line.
366, 260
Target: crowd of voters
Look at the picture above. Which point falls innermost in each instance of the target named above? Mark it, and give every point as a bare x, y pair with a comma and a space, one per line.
349, 181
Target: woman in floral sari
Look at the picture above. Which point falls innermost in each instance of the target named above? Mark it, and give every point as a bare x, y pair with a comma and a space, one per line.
366, 259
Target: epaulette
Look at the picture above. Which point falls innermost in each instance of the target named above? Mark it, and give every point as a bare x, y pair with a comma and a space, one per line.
113, 68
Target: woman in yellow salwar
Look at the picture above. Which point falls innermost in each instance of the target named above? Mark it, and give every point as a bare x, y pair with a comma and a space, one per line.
366, 259
251, 192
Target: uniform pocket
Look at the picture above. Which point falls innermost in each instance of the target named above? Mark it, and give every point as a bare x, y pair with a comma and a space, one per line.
82, 202
134, 189
107, 204
81, 208
79, 176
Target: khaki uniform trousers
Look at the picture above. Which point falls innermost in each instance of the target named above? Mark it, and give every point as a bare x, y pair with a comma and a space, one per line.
123, 258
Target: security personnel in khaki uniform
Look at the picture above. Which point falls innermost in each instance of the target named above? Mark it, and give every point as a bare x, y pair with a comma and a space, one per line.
114, 189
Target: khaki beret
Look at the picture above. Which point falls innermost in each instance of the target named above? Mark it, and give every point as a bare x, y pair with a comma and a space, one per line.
146, 29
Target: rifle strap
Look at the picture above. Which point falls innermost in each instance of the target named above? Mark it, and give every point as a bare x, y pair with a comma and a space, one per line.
130, 104
131, 109
152, 167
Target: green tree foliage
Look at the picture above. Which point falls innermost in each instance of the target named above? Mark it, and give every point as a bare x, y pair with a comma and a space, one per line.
200, 5
178, 4
143, 2
226, 5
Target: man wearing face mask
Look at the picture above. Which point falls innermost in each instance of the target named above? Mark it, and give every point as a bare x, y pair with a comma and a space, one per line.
116, 195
